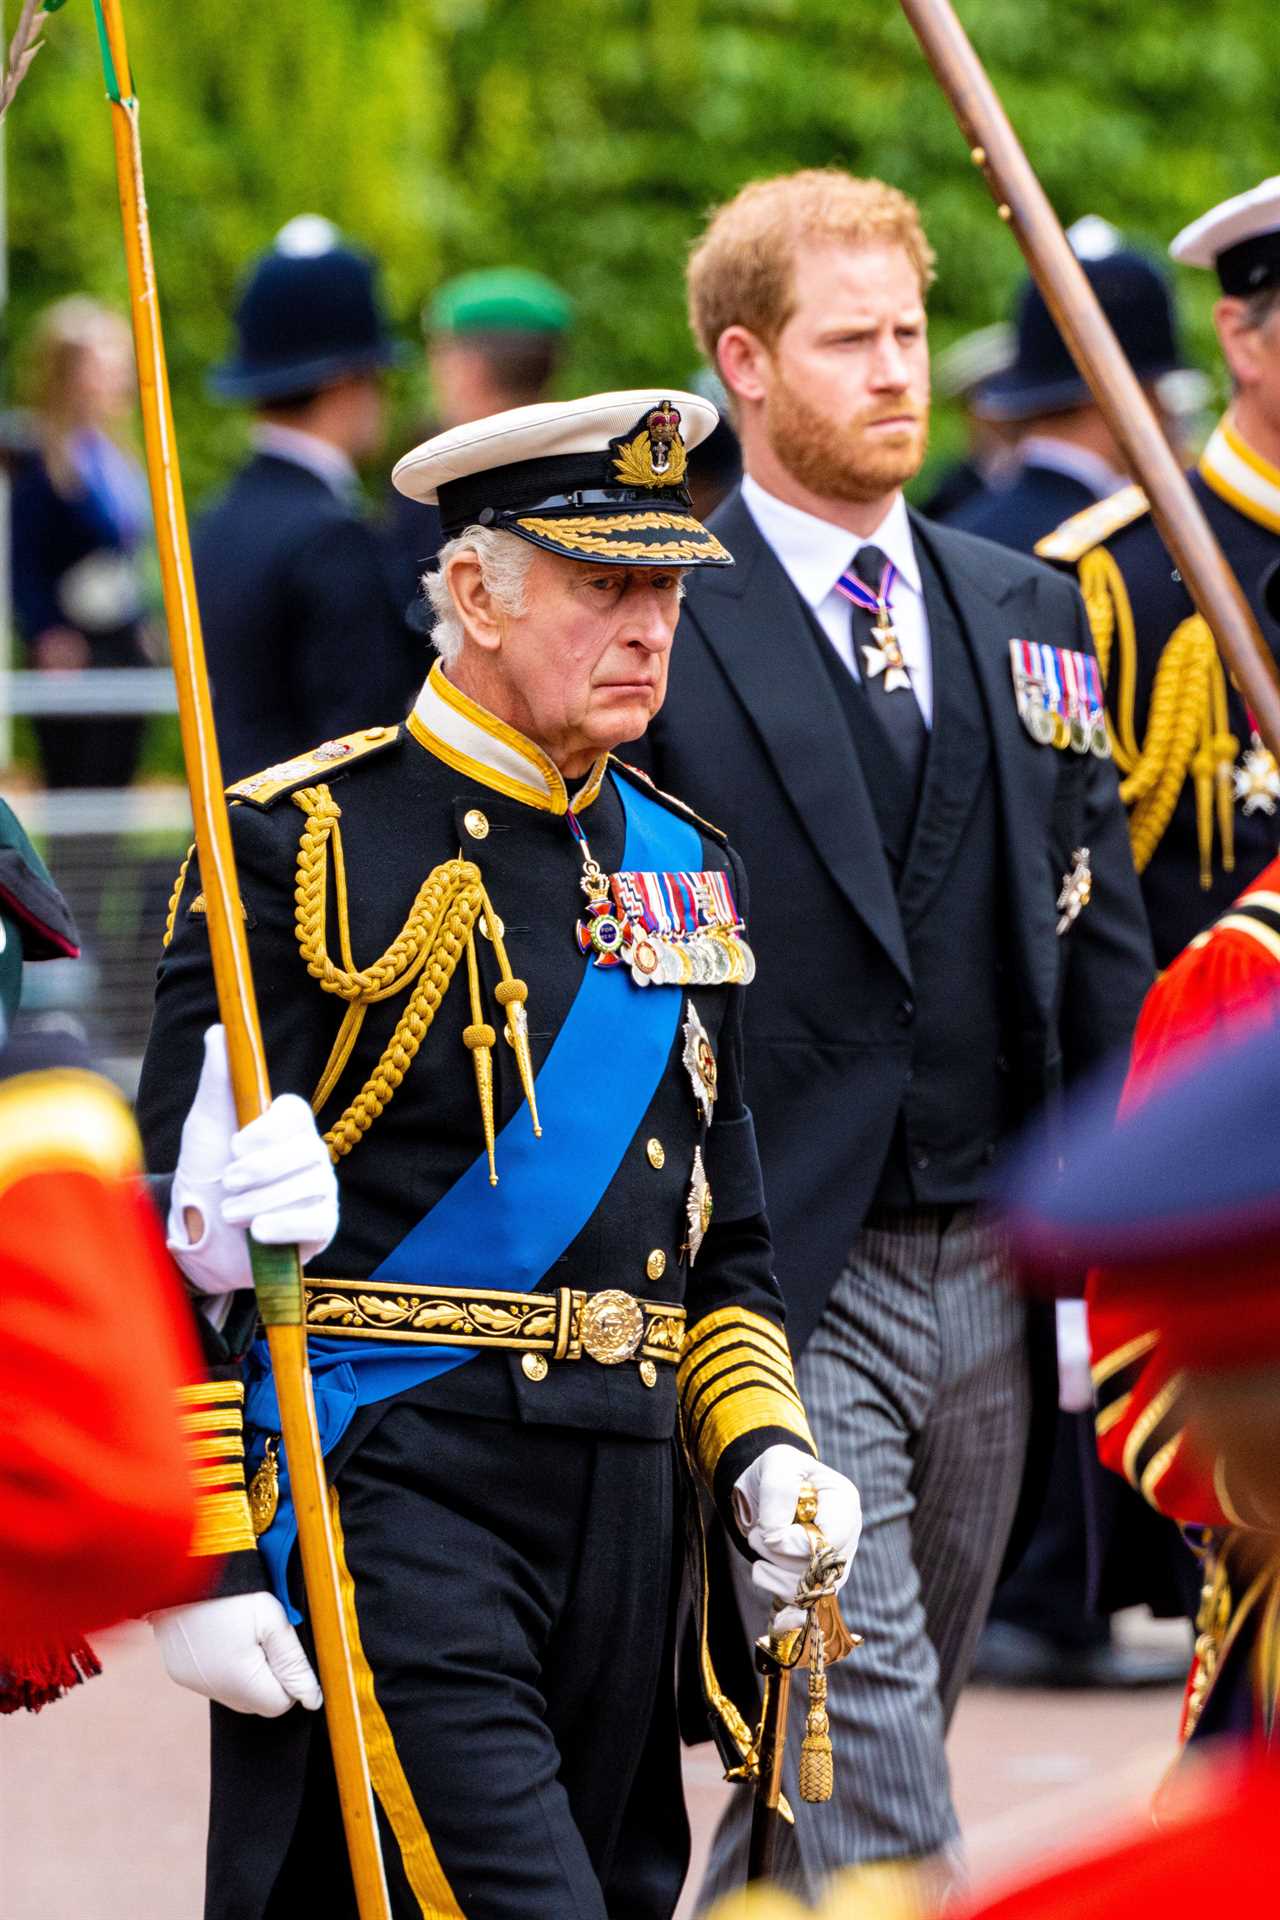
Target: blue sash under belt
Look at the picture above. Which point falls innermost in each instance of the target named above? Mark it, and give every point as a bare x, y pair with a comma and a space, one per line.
506, 1236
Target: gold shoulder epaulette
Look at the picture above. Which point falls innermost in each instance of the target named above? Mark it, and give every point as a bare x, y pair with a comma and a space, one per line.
334, 756
670, 799
1089, 528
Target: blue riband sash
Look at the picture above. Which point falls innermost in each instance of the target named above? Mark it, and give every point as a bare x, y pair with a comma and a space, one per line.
506, 1236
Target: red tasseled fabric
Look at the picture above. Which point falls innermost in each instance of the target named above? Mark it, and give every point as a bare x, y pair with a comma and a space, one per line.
34, 1676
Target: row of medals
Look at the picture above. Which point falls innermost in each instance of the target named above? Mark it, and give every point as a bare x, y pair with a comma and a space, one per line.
1084, 731
712, 957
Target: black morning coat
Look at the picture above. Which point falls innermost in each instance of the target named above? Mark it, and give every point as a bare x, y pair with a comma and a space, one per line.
304, 634
752, 732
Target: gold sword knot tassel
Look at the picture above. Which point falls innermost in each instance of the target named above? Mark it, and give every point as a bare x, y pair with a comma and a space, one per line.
817, 1595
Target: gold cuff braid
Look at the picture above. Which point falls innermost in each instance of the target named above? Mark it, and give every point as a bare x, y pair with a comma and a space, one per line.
735, 1375
211, 1417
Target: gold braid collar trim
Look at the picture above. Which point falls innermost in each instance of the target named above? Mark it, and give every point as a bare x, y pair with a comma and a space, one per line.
735, 1375
211, 1419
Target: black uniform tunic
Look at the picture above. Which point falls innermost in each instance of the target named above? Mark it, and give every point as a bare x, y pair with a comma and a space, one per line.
509, 1539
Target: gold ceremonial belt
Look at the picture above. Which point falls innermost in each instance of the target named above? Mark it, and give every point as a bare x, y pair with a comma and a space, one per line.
610, 1326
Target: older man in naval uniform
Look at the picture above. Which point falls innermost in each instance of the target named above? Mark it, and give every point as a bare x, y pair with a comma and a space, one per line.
508, 976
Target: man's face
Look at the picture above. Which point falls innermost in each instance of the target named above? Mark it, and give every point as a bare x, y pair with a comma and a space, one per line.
847, 400
585, 668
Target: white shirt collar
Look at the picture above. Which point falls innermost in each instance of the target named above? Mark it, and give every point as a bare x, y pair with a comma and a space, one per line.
816, 552
321, 457
1060, 456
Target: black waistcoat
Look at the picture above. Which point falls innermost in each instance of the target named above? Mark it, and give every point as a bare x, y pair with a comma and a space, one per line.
942, 847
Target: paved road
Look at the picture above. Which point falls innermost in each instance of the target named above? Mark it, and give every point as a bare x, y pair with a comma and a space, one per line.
102, 1796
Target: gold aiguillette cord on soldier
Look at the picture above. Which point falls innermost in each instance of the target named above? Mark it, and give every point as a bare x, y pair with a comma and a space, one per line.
420, 963
818, 1644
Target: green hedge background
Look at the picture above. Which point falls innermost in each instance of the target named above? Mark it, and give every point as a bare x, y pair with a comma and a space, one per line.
588, 137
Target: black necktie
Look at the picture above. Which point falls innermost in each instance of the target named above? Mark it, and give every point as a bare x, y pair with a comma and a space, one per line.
897, 709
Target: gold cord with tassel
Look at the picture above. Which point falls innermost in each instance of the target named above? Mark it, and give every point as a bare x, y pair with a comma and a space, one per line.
423, 957
479, 1038
511, 995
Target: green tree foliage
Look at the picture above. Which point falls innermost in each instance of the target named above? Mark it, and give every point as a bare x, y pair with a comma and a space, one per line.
588, 138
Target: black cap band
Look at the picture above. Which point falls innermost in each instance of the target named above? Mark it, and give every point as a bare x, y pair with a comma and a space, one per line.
1251, 265
540, 486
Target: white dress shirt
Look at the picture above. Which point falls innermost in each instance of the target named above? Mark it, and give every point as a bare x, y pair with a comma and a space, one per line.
321, 457
814, 554
1061, 456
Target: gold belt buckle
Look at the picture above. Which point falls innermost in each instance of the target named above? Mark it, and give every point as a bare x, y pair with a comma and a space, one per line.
611, 1326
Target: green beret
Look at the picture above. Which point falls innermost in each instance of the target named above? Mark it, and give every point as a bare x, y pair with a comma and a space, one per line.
499, 300
35, 921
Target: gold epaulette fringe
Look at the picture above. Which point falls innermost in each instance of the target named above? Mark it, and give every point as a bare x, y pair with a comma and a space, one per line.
1187, 734
423, 958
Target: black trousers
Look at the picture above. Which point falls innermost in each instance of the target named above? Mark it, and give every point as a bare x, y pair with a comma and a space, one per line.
512, 1594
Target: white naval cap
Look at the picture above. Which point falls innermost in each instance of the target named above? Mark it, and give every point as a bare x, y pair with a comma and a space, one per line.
1240, 238
601, 478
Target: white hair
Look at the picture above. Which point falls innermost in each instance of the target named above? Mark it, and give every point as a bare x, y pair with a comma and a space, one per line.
504, 567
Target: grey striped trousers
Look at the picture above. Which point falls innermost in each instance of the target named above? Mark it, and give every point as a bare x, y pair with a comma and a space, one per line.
916, 1385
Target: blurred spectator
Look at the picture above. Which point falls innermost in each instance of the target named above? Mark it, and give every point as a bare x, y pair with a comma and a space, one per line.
494, 339
305, 637
958, 374
1067, 455
79, 526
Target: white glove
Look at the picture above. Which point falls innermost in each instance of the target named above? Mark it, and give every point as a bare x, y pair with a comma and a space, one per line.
1075, 1372
240, 1651
273, 1176
764, 1506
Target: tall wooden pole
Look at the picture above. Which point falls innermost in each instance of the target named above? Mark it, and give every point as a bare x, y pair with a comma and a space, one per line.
276, 1271
1022, 202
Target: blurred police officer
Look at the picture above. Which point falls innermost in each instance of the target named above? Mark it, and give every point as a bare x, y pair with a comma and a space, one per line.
304, 634
1201, 789
959, 374
1068, 457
